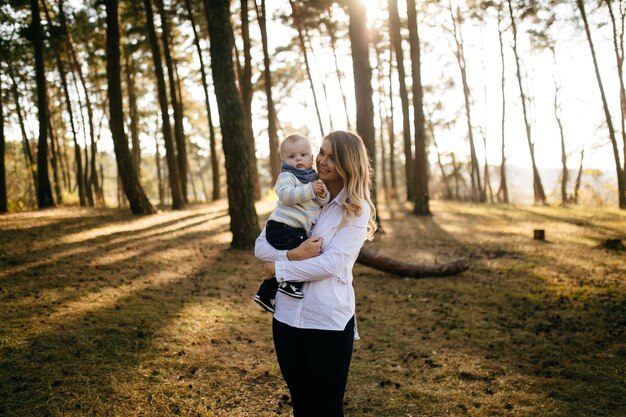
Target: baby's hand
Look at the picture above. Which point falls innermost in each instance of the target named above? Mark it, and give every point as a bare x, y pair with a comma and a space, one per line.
319, 188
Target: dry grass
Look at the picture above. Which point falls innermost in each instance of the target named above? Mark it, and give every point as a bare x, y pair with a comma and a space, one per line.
106, 314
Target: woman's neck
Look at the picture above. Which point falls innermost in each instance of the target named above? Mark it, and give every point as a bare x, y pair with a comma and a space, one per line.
334, 188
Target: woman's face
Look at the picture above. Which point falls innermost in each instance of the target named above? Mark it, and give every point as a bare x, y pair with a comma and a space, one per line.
326, 163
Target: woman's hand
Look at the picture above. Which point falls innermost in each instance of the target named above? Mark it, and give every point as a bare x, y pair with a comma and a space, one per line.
269, 271
310, 248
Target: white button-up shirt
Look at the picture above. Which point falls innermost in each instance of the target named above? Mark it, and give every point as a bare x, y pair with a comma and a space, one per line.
328, 302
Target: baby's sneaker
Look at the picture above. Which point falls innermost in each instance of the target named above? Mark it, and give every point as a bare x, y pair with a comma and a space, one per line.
292, 289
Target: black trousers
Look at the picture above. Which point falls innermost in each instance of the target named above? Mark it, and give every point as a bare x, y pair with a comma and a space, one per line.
315, 365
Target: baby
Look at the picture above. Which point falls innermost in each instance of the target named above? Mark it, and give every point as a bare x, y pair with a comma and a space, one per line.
300, 196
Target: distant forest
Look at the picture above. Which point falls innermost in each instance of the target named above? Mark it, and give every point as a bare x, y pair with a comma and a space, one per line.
195, 95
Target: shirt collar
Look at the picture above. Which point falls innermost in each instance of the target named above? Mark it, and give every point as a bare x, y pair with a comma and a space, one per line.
337, 200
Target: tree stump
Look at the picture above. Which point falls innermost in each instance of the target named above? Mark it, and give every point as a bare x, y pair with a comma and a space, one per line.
539, 234
369, 258
613, 244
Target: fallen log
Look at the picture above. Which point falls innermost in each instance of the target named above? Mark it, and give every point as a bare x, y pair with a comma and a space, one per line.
383, 263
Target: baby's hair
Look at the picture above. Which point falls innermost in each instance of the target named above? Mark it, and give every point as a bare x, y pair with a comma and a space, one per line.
293, 138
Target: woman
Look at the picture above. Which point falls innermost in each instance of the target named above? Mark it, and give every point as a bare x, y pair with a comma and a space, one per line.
313, 335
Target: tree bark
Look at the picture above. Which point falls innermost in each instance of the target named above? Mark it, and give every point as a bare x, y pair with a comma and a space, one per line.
272, 130
396, 39
621, 173
179, 134
243, 217
359, 42
178, 200
421, 201
245, 83
205, 85
44, 189
540, 195
133, 111
3, 181
392, 135
54, 160
578, 177
370, 258
139, 203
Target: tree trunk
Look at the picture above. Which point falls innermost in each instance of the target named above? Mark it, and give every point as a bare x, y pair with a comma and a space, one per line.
621, 173
28, 154
382, 120
557, 117
80, 178
245, 83
421, 200
370, 258
179, 134
392, 136
618, 47
272, 130
178, 200
92, 183
54, 161
540, 195
3, 181
139, 203
359, 42
396, 39
298, 24
243, 218
44, 189
478, 192
205, 85
133, 111
503, 190
157, 160
579, 177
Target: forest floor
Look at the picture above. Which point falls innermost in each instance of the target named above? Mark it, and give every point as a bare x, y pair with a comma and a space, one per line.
107, 314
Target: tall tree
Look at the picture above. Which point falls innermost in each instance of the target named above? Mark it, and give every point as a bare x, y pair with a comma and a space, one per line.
139, 203
359, 42
245, 84
330, 25
80, 178
205, 86
396, 40
179, 134
3, 182
540, 195
178, 200
503, 189
44, 189
621, 172
421, 199
478, 192
243, 217
272, 130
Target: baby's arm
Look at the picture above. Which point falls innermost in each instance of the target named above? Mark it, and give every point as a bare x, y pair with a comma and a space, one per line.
322, 196
290, 191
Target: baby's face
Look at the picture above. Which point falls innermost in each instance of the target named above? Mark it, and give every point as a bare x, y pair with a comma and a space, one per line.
298, 154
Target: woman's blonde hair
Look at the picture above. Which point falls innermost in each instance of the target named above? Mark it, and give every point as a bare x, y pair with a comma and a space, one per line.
353, 167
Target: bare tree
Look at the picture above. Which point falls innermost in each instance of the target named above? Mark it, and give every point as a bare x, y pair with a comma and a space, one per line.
621, 172
503, 190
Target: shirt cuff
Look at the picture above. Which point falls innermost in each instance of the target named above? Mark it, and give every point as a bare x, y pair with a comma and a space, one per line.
280, 271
